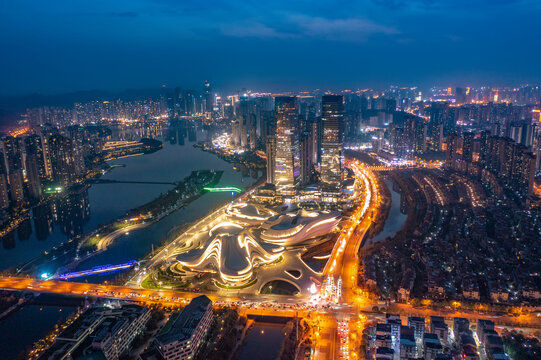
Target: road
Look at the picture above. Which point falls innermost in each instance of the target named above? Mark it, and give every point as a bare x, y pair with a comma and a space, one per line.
338, 329
344, 264
108, 239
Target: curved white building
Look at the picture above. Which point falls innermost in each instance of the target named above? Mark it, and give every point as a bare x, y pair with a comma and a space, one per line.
295, 228
249, 213
231, 252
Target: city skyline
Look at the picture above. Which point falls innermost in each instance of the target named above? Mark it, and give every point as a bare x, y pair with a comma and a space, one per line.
145, 44
271, 180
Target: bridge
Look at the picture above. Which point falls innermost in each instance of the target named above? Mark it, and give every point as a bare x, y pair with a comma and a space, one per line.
271, 305
96, 270
223, 189
110, 181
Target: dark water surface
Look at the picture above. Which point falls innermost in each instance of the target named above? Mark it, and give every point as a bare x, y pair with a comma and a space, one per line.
102, 203
26, 326
263, 342
396, 219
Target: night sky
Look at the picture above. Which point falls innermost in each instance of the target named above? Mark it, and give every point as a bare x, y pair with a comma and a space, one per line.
60, 46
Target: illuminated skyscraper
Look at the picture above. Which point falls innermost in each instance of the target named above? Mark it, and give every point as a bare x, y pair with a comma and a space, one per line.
209, 99
438, 117
332, 117
271, 158
287, 148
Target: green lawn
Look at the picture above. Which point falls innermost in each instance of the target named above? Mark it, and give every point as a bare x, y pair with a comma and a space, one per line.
227, 287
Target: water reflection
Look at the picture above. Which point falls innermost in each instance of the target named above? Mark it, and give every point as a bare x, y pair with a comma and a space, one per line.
70, 213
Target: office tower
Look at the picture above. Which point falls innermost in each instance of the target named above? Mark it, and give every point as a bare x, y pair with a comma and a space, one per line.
332, 119
271, 158
4, 196
209, 99
267, 125
235, 132
287, 148
189, 103
438, 117
246, 117
306, 157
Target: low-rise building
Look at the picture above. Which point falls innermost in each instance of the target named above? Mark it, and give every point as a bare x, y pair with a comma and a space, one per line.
100, 333
418, 325
182, 335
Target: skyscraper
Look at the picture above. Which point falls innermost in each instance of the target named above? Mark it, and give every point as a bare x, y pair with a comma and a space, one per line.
34, 166
438, 117
287, 147
332, 117
209, 99
271, 158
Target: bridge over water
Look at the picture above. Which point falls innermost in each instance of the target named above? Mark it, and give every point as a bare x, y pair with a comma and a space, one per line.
110, 181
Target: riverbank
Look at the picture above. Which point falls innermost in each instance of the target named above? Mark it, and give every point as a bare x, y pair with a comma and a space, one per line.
71, 254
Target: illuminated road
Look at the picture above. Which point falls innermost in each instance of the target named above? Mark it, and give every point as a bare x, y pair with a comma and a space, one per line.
338, 330
107, 240
344, 263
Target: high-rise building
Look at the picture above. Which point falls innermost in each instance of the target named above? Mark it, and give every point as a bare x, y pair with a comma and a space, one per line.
332, 118
271, 158
306, 157
267, 124
4, 196
209, 99
467, 147
16, 188
14, 165
61, 160
33, 164
287, 147
438, 118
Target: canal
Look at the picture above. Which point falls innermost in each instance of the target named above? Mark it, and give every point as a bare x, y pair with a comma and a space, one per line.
396, 218
263, 342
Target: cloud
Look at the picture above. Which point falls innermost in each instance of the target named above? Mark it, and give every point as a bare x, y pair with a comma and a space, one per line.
340, 29
252, 29
304, 26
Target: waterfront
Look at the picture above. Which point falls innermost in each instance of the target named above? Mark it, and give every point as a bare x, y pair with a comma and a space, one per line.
28, 325
106, 202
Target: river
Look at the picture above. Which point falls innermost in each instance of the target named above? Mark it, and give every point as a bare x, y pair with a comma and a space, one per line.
27, 325
102, 203
396, 219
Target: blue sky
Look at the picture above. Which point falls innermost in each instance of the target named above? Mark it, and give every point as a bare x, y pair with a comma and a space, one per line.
59, 46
